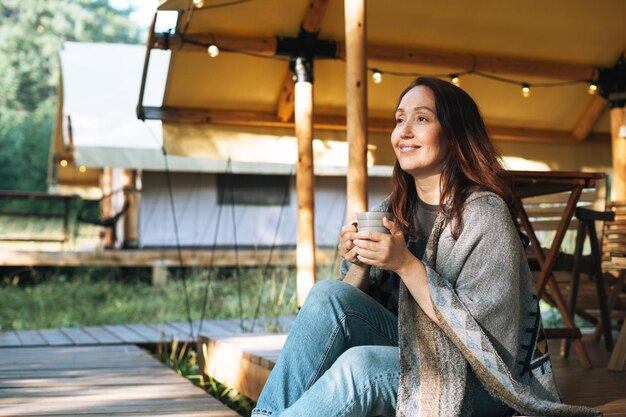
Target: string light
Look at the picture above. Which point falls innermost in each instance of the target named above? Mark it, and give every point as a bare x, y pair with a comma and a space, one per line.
593, 88
63, 162
377, 76
213, 50
82, 168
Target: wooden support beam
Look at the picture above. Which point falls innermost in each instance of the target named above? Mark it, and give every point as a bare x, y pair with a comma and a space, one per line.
131, 217
618, 184
314, 16
305, 188
286, 98
262, 45
356, 105
331, 122
482, 63
589, 117
162, 257
311, 23
106, 205
396, 55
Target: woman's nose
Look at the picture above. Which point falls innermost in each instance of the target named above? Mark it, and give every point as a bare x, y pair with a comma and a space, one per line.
407, 131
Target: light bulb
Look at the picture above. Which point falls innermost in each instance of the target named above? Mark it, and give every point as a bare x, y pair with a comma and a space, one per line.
525, 90
213, 50
82, 168
63, 162
198, 3
593, 88
377, 77
454, 79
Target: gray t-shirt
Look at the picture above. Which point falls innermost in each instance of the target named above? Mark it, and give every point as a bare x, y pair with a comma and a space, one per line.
387, 290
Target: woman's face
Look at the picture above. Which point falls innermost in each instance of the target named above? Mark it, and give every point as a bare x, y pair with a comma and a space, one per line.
417, 138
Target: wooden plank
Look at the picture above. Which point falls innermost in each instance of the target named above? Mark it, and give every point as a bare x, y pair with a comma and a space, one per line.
149, 332
149, 257
9, 339
31, 338
102, 335
399, 55
79, 336
54, 337
589, 117
126, 334
123, 381
338, 123
174, 406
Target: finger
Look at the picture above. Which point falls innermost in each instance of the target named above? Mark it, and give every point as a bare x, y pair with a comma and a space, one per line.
373, 236
367, 260
365, 244
366, 253
393, 229
348, 229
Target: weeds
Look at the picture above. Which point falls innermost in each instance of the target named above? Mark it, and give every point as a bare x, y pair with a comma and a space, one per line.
183, 360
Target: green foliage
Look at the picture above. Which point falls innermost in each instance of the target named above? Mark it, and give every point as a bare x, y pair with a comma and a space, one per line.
31, 33
183, 360
75, 297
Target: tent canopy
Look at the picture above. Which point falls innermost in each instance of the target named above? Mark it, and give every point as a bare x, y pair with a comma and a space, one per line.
531, 42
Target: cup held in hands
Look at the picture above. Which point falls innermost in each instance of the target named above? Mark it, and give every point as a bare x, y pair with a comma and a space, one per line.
372, 221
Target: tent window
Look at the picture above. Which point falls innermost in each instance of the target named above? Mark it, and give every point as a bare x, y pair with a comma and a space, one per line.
253, 190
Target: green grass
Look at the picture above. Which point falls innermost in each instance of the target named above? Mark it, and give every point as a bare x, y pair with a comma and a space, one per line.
83, 297
183, 359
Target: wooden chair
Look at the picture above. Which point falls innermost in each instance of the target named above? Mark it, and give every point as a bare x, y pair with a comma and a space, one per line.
602, 273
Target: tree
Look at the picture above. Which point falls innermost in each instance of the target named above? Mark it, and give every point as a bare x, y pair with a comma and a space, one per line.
31, 34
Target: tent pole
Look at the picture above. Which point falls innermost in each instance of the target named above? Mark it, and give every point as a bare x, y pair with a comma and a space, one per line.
305, 179
356, 106
131, 217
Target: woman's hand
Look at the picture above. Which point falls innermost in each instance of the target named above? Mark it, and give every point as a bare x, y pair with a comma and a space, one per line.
346, 243
385, 251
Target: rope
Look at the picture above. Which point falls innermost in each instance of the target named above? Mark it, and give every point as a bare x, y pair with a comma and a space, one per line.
272, 247
176, 233
213, 248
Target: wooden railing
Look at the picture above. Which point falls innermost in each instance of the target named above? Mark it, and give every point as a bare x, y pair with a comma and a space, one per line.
44, 208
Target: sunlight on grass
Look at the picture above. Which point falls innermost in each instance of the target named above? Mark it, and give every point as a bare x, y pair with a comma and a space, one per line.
98, 296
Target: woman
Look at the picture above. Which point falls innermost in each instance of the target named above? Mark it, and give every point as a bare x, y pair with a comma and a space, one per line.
447, 288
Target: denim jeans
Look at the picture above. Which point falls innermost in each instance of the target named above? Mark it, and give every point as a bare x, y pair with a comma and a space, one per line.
341, 359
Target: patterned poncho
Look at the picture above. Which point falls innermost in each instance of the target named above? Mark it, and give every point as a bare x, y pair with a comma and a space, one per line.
490, 329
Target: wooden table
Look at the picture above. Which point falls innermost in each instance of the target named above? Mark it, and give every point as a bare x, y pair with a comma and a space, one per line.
537, 183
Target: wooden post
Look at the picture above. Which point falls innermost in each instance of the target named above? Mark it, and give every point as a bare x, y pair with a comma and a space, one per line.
131, 217
106, 205
618, 185
305, 180
356, 106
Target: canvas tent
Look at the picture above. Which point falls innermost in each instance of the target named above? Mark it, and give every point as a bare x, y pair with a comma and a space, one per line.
529, 66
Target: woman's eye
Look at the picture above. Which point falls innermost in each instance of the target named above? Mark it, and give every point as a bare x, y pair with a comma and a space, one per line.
422, 119
398, 121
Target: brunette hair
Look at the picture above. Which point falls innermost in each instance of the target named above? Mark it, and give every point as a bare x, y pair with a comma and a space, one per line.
472, 163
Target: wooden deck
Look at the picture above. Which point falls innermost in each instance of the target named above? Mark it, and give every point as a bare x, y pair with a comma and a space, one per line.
244, 362
134, 333
96, 381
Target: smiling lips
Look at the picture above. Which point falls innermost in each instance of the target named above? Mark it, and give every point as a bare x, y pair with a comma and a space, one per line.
408, 148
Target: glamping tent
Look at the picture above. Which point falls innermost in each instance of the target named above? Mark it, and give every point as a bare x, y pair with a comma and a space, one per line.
549, 78
244, 174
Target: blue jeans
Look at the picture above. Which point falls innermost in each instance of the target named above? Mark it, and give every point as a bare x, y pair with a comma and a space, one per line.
341, 359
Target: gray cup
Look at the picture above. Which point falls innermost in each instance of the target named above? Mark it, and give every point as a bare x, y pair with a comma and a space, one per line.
372, 221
